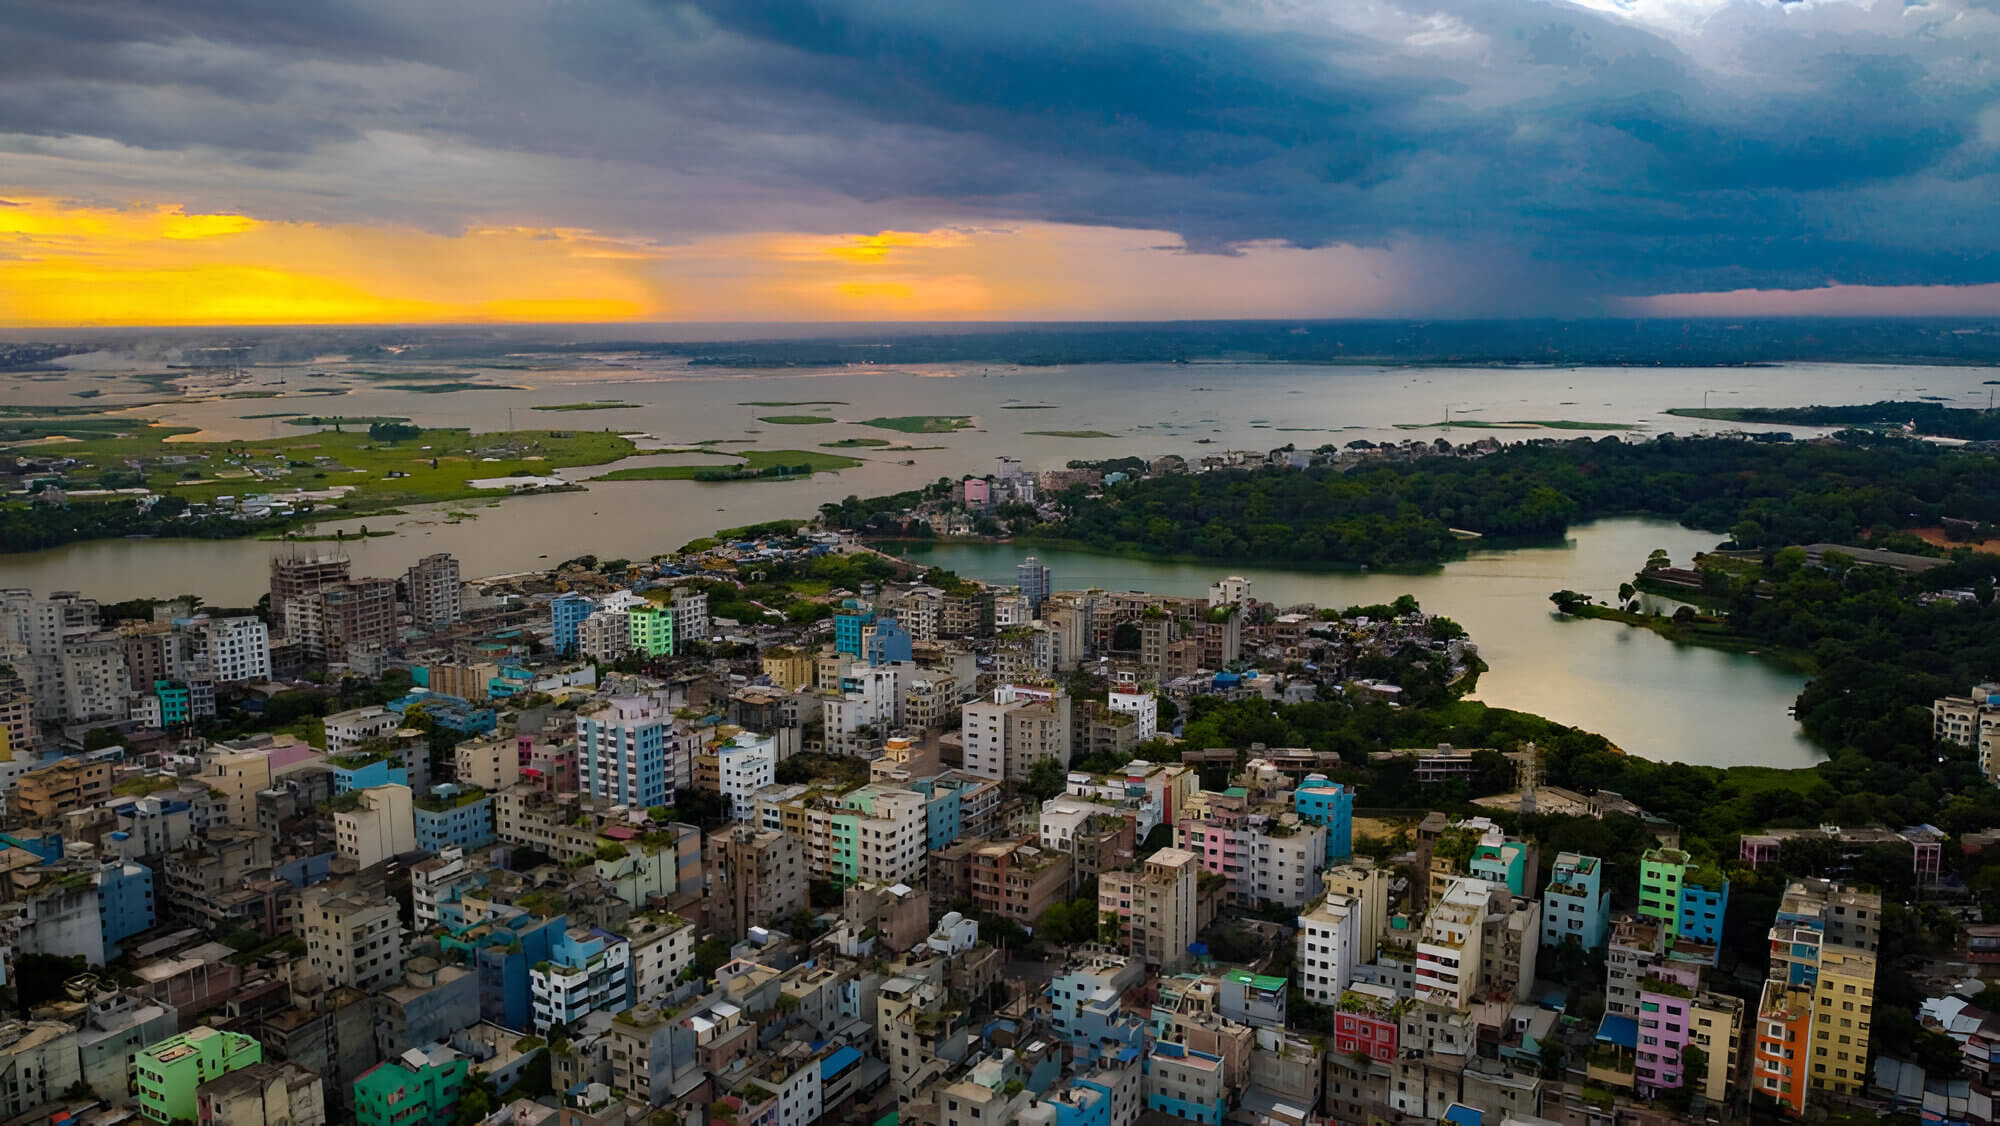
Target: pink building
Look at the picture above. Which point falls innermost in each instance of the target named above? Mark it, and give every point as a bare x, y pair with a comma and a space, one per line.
978, 492
1666, 996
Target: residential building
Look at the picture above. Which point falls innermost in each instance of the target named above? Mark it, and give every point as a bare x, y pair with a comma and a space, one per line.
588, 970
1329, 947
1033, 576
1449, 947
791, 670
1155, 907
1017, 880
1264, 851
628, 750
745, 762
263, 1094
567, 612
419, 1088
491, 763
848, 625
651, 630
170, 1071
432, 588
1367, 884
453, 816
1716, 1027
604, 636
1004, 737
349, 729
238, 649
1687, 898
38, 1066
1577, 906
1330, 804
756, 876
1185, 1083
379, 823
115, 1028
352, 938
65, 785
690, 608
662, 949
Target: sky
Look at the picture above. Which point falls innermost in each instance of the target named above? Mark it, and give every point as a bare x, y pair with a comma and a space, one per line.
452, 161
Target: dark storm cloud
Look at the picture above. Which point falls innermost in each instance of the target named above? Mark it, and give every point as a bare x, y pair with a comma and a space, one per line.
1759, 145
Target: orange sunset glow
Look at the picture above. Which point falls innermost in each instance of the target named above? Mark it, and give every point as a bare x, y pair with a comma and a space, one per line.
159, 264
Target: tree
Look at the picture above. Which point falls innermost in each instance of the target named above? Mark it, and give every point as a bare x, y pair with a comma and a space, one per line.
1569, 601
1625, 593
711, 955
1045, 780
1659, 560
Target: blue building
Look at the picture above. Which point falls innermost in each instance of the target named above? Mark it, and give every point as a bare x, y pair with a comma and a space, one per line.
1033, 576
454, 816
364, 772
1577, 906
847, 627
124, 903
1185, 1083
1703, 905
566, 612
943, 812
502, 948
1085, 1007
447, 711
889, 643
1322, 801
622, 752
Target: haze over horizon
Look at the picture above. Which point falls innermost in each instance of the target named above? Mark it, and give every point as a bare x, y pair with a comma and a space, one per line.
220, 162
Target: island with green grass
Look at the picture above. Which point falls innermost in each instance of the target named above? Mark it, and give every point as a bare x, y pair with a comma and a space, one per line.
922, 423
796, 419
1070, 433
347, 467
589, 405
752, 465
793, 403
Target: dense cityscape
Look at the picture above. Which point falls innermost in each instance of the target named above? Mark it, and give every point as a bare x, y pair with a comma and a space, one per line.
781, 828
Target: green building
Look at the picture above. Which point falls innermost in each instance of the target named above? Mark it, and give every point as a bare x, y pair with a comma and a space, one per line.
1661, 873
651, 630
418, 1088
170, 1070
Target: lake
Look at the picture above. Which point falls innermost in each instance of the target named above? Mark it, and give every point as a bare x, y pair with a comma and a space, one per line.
1648, 695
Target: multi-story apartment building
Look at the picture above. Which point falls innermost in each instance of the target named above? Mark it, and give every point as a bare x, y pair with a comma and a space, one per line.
756, 876
1265, 852
690, 608
604, 635
352, 614
1330, 804
1018, 880
651, 630
432, 586
380, 824
1687, 898
1004, 737
168, 1073
236, 649
1329, 947
1577, 906
1972, 721
588, 970
630, 751
1449, 947
745, 762
352, 938
1155, 906
62, 786
95, 682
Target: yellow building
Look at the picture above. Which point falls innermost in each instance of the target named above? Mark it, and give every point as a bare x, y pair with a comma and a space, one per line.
789, 669
1843, 1009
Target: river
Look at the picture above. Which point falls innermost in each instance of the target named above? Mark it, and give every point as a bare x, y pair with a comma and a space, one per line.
1648, 695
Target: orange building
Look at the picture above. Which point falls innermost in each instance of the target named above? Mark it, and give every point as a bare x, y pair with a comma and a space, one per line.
1784, 1024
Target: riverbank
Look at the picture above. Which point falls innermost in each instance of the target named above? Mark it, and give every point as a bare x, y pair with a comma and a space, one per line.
1704, 630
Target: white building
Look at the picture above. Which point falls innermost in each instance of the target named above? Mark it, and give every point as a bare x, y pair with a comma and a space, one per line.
1327, 948
1021, 725
1063, 815
1232, 591
690, 609
1143, 707
1449, 948
430, 879
662, 947
381, 825
892, 835
348, 730
745, 763
605, 635
236, 649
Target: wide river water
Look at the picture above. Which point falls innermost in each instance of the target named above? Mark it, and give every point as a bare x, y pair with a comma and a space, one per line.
1649, 696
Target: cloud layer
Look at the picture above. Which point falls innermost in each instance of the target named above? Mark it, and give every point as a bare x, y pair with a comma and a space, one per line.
1465, 155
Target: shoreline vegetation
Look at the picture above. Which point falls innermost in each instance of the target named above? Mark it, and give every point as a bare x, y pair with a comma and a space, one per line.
589, 405
1928, 418
1517, 424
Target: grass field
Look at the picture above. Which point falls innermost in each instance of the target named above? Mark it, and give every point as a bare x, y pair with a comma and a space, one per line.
922, 423
362, 420
590, 405
442, 472
796, 419
1519, 424
752, 459
448, 387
